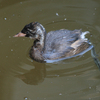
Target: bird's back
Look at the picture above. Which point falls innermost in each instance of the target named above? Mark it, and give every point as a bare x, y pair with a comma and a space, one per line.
58, 43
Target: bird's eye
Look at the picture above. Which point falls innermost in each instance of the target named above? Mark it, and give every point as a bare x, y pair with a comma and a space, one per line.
28, 32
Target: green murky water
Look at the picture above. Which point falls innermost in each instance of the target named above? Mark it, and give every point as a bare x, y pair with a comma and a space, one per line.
24, 79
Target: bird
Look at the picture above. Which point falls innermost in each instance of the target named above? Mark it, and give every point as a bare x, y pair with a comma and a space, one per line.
55, 45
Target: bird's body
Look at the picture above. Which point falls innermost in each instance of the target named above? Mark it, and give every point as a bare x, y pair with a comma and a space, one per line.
54, 45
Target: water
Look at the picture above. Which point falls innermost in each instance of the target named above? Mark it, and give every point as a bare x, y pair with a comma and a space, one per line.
71, 79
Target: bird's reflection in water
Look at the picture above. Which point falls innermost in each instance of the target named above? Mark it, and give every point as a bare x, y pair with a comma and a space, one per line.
34, 76
38, 74
95, 57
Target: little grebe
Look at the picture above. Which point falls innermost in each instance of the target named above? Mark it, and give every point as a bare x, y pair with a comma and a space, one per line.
55, 45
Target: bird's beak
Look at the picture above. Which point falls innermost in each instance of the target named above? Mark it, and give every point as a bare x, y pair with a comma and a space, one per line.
20, 34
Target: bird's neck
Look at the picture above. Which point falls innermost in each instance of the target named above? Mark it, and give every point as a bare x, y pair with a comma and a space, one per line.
38, 48
40, 42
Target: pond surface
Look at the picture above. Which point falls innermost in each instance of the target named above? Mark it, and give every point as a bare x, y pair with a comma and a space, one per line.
24, 79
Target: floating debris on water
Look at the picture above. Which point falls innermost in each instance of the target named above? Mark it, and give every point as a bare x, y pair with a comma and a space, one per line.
89, 87
13, 14
57, 14
11, 49
74, 75
25, 98
9, 36
5, 18
60, 93
57, 75
31, 60
93, 13
65, 19
20, 2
